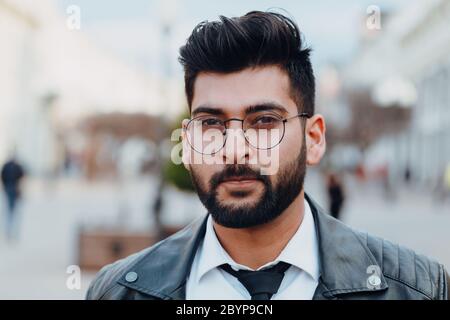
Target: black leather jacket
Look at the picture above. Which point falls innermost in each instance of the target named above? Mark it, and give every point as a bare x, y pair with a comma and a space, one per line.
353, 265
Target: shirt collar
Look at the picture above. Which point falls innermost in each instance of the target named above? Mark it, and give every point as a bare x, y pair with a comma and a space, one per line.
301, 250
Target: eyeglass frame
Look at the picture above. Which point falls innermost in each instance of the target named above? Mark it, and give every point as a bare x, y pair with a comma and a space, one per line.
303, 114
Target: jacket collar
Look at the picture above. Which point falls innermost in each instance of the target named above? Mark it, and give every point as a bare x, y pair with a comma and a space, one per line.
344, 260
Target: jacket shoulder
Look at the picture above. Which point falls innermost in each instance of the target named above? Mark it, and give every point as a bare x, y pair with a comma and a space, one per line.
155, 266
106, 279
405, 267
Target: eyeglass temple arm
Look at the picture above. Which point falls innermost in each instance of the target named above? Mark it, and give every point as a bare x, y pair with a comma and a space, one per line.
303, 114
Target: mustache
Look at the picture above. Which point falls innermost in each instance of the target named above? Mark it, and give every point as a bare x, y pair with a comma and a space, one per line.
237, 171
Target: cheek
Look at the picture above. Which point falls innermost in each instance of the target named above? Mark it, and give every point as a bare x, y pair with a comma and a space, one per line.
271, 161
202, 174
290, 147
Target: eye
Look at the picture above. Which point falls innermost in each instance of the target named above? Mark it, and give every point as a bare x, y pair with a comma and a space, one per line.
265, 120
209, 122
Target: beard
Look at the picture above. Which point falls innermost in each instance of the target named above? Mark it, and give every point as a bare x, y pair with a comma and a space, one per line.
274, 200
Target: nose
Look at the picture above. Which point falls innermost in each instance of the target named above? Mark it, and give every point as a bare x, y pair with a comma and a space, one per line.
236, 149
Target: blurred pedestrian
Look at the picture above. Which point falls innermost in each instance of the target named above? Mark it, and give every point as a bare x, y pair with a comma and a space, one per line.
335, 195
446, 184
384, 173
11, 174
360, 172
407, 175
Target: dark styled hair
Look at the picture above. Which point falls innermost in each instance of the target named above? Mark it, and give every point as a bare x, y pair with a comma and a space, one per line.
253, 40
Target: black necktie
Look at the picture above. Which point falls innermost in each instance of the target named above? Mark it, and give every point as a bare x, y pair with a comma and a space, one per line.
260, 284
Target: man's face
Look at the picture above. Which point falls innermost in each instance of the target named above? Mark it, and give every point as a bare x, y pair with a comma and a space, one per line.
231, 183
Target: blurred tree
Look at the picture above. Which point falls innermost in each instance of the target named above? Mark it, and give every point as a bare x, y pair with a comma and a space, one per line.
117, 127
368, 122
177, 174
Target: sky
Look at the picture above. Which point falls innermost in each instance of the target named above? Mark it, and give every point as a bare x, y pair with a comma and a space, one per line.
131, 30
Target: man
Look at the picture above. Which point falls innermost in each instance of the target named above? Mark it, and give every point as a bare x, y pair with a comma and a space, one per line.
11, 174
250, 89
335, 195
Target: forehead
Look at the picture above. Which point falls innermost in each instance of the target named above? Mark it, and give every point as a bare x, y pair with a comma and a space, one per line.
233, 92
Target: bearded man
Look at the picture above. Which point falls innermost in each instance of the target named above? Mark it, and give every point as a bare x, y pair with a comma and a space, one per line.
250, 89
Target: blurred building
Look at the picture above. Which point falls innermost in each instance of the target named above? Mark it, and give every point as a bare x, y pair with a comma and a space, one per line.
407, 63
53, 76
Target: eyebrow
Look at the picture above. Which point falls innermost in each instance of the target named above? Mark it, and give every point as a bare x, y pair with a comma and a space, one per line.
207, 109
265, 106
258, 107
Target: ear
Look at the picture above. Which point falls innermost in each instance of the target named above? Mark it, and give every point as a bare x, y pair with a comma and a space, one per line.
315, 139
187, 151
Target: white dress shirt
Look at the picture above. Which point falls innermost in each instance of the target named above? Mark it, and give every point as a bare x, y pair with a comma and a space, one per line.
208, 281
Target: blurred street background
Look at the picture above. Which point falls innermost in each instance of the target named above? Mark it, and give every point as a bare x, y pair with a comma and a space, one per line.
91, 91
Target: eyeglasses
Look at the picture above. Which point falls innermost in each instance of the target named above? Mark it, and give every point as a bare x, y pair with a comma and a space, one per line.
262, 130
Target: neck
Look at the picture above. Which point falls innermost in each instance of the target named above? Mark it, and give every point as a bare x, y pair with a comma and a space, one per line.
256, 246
